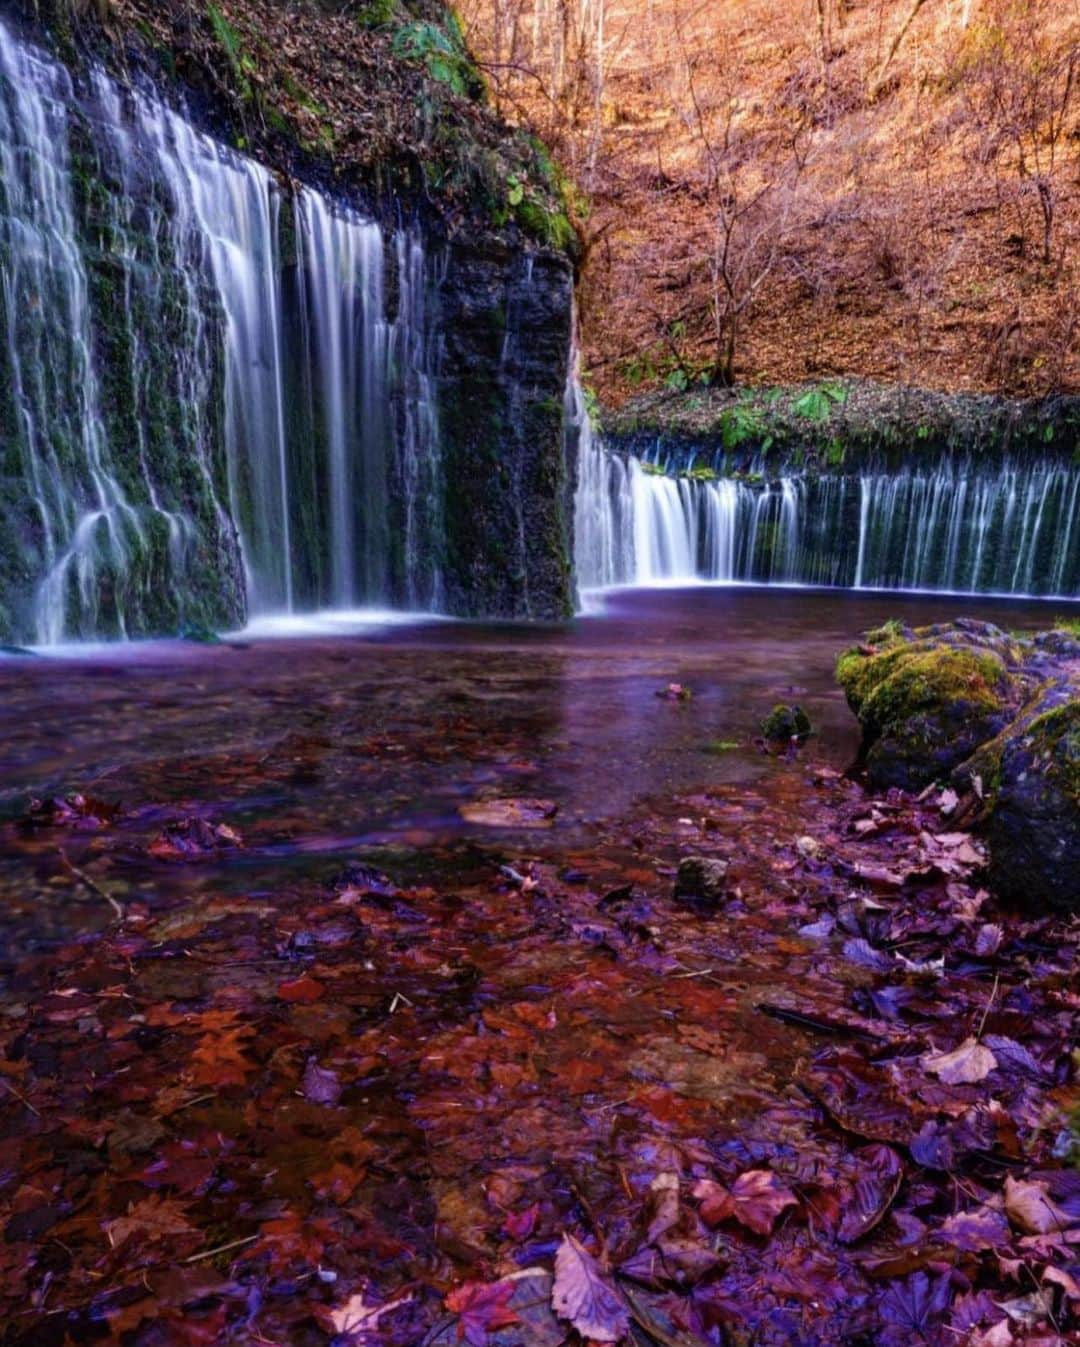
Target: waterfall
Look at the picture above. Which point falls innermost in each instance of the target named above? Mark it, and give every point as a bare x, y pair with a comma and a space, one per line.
965, 527
216, 398
69, 444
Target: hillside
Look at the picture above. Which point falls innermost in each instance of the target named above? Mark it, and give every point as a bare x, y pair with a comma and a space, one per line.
875, 188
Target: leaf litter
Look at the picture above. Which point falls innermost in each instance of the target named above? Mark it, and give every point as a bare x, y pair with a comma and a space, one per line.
531, 1098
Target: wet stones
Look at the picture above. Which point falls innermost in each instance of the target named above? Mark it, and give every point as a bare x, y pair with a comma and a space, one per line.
702, 878
784, 723
1033, 823
927, 699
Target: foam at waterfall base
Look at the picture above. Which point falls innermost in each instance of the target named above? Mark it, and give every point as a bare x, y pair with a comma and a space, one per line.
329, 622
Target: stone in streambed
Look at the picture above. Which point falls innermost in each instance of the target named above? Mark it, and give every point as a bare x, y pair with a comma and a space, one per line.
702, 877
1001, 718
1033, 817
784, 723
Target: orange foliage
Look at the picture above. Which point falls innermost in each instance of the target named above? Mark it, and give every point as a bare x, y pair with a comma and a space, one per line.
930, 235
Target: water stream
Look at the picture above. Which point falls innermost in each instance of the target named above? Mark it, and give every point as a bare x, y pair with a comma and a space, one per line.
219, 403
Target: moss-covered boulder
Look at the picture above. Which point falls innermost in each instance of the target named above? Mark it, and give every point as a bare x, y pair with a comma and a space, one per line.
784, 723
1001, 718
928, 698
1033, 816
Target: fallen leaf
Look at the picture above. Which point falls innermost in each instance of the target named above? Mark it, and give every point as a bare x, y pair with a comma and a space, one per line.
1029, 1206
482, 1308
583, 1296
300, 990
515, 813
973, 1231
151, 1219
873, 1193
320, 1086
755, 1200
965, 1065
357, 1317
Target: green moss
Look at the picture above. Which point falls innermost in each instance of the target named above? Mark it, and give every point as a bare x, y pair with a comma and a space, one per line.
1069, 624
550, 226
786, 722
887, 634
376, 13
1055, 740
721, 746
927, 680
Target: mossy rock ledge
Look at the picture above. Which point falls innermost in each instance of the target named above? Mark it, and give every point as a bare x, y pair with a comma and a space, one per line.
964, 701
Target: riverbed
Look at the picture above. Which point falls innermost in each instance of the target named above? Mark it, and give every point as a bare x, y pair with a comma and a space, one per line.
295, 1009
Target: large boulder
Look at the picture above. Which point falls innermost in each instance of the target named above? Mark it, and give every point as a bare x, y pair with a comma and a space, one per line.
927, 698
1032, 821
998, 716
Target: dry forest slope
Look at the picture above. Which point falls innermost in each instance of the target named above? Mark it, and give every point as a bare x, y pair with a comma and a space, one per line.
779, 190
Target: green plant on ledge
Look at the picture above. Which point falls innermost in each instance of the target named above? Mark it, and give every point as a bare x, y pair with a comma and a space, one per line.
240, 60
443, 53
817, 404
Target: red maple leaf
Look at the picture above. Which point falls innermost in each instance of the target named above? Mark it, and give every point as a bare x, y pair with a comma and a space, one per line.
482, 1308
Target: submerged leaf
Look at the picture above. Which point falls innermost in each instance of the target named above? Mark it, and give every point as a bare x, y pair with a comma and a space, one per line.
583, 1296
755, 1200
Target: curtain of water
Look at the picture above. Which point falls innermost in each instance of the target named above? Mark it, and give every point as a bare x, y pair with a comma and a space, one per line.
205, 389
96, 509
1011, 530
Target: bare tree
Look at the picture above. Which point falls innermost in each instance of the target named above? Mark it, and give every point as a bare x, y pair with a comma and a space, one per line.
1020, 77
753, 200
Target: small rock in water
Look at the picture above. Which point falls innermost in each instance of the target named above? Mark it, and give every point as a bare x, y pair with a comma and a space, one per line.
510, 813
784, 723
702, 877
675, 692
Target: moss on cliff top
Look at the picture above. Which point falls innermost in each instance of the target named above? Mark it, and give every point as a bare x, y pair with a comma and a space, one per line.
370, 98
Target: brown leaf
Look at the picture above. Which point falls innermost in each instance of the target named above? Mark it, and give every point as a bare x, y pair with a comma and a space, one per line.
301, 989
965, 1065
519, 813
151, 1219
320, 1085
357, 1318
973, 1231
582, 1295
1029, 1206
872, 1194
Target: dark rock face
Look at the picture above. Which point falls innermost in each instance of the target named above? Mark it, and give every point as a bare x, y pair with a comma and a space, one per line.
170, 454
1001, 717
506, 321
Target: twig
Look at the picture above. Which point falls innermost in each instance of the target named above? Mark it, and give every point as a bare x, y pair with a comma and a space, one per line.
221, 1248
20, 1097
982, 1022
88, 883
199, 1099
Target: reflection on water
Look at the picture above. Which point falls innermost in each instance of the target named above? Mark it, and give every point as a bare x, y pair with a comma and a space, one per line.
341, 737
